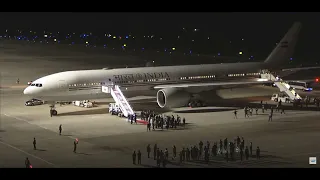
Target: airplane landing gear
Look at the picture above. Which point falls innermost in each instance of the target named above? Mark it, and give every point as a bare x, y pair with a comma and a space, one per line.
196, 103
53, 111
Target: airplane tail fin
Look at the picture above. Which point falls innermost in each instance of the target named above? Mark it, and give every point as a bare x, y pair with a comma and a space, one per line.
285, 48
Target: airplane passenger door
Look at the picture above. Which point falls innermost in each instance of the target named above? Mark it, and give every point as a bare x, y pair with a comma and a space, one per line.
62, 85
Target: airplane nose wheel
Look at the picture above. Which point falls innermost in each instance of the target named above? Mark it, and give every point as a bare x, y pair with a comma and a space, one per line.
53, 111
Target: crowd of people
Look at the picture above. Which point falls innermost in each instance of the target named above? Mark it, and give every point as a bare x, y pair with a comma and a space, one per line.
202, 151
161, 121
248, 111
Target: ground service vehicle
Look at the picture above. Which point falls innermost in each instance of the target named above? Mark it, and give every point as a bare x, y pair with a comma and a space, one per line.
34, 102
300, 85
282, 97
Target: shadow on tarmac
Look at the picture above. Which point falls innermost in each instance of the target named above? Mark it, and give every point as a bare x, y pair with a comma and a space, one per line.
84, 112
204, 110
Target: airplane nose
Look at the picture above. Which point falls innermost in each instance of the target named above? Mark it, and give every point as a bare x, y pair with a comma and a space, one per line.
26, 91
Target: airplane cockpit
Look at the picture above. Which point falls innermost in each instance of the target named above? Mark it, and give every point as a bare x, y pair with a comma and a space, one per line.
36, 84
33, 88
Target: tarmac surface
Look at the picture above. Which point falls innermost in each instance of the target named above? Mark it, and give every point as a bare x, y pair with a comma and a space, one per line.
108, 141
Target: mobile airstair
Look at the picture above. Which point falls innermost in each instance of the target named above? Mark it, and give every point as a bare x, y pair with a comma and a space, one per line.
283, 86
119, 98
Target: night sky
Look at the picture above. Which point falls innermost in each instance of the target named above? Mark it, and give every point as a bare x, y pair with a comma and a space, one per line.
260, 30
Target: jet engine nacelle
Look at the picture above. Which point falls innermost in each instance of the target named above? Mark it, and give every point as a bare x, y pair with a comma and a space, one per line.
172, 97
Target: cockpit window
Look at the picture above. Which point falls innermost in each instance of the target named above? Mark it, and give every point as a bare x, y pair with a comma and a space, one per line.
38, 85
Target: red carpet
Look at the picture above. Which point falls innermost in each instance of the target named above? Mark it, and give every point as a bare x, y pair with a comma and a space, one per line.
141, 121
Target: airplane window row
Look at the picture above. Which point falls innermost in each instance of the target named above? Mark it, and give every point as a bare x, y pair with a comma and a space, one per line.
247, 74
85, 84
198, 77
146, 80
37, 85
234, 75
253, 74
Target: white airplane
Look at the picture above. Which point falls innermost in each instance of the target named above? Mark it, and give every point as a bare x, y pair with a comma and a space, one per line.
175, 84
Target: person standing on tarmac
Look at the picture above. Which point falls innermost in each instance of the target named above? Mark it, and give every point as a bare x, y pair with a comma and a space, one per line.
246, 152
213, 149
208, 144
139, 157
34, 144
135, 118
148, 150
238, 141
200, 147
60, 129
246, 112
250, 148
280, 103
221, 145
174, 149
148, 126
225, 143
227, 156
270, 117
166, 154
257, 110
188, 154
235, 114
75, 143
242, 142
183, 154
164, 162
231, 145
134, 155
180, 157
258, 152
266, 106
155, 151
27, 163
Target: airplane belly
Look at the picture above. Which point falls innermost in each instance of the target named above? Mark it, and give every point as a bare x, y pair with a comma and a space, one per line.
74, 97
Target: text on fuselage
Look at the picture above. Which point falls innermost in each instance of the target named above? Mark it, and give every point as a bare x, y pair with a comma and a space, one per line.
138, 76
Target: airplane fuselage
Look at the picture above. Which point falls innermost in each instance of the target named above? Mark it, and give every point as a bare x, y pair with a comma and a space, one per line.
86, 84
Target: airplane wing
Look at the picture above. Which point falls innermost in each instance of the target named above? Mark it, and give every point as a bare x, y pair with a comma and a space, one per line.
300, 69
300, 80
188, 85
